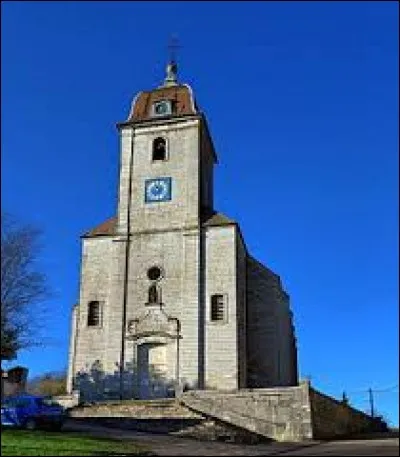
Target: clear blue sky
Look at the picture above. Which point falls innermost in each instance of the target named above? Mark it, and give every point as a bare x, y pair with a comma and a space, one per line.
302, 101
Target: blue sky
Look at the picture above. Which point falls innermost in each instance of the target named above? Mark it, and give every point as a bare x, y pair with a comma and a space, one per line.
302, 101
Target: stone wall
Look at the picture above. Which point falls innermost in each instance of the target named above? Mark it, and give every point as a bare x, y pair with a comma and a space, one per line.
241, 308
69, 400
269, 325
89, 353
182, 165
221, 357
282, 414
142, 409
333, 418
176, 253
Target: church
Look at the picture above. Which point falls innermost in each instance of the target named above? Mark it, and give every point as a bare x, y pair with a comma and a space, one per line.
170, 298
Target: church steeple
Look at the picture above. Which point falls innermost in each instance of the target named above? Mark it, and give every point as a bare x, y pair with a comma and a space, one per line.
171, 78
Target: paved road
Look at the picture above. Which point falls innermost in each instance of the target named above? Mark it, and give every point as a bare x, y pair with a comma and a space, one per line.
170, 445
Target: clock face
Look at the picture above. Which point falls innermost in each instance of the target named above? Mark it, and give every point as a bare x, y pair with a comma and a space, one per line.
157, 190
161, 108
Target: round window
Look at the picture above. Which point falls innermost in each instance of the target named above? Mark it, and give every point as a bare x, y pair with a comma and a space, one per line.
154, 273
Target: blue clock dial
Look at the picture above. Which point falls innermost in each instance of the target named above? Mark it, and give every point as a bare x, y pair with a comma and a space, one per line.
157, 190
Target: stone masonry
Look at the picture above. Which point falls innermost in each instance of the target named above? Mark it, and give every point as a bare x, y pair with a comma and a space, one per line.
214, 317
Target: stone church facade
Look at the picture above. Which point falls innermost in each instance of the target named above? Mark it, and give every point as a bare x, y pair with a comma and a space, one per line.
170, 298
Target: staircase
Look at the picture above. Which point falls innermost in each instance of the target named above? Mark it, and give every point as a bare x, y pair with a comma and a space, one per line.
213, 408
169, 416
155, 416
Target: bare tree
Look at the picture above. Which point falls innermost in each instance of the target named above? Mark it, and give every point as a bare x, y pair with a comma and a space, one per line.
51, 383
23, 286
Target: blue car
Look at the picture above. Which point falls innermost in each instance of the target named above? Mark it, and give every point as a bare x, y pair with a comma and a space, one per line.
31, 412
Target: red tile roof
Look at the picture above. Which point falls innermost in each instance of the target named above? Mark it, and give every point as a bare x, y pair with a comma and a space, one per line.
216, 219
105, 228
181, 95
209, 219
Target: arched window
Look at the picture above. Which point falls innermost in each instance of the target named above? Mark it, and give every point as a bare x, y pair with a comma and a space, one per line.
159, 149
154, 296
94, 316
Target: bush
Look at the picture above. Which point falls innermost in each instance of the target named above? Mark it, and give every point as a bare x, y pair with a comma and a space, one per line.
52, 383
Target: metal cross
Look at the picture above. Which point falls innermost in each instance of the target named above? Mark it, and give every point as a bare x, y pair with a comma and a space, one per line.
173, 46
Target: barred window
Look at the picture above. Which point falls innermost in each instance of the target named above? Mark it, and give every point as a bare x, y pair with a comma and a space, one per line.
94, 315
218, 307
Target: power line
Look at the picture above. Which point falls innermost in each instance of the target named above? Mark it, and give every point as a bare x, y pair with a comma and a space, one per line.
363, 391
388, 389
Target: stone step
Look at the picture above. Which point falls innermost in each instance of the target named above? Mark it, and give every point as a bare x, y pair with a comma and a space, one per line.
160, 416
163, 425
138, 409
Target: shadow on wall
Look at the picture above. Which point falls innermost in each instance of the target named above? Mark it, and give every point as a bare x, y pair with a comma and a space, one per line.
94, 384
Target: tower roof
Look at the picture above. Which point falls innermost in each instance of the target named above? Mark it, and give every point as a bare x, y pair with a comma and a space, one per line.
108, 227
180, 96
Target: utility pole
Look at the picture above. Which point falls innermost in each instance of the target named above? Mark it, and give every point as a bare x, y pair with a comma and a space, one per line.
371, 402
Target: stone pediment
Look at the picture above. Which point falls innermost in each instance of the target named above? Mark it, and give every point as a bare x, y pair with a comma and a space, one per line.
155, 321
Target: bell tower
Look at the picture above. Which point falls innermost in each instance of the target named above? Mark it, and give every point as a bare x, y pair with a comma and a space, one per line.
167, 160
165, 189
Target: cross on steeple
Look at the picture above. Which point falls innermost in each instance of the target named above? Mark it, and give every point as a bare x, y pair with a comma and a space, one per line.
173, 46
172, 66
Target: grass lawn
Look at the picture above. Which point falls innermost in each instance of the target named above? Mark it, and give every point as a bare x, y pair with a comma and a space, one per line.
23, 442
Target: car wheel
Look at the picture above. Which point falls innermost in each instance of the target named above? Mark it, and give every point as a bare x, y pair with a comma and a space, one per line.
30, 424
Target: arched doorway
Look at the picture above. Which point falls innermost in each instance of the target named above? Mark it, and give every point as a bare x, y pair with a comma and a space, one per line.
155, 337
